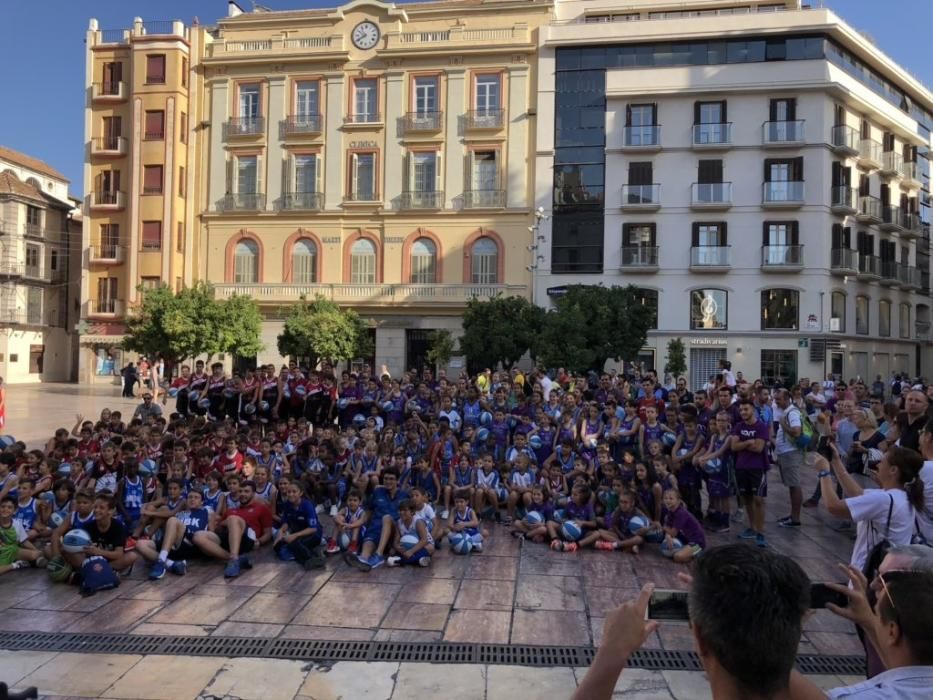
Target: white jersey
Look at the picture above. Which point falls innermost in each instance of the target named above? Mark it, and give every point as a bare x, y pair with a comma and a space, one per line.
427, 515
404, 529
487, 481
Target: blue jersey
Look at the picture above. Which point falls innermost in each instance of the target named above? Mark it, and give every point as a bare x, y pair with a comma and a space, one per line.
301, 516
471, 413
12, 491
64, 509
463, 477
382, 503
487, 481
194, 520
265, 492
26, 515
500, 431
133, 495
466, 517
427, 482
212, 500
80, 523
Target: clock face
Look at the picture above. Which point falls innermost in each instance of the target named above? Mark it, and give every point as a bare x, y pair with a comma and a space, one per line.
365, 35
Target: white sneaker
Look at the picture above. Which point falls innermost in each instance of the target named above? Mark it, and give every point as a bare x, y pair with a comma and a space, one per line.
333, 511
477, 546
424, 562
444, 515
393, 561
318, 508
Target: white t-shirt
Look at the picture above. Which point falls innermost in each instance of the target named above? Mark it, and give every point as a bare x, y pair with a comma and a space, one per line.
728, 377
781, 444
925, 516
904, 683
546, 385
20, 531
871, 508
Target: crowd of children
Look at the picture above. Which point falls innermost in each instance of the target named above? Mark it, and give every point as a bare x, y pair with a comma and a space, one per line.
384, 470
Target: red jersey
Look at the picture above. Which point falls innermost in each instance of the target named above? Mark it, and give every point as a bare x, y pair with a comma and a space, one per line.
256, 514
645, 402
180, 382
227, 464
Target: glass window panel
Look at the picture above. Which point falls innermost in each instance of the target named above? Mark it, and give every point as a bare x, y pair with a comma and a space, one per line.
305, 173
884, 318
485, 261
364, 98
304, 262
487, 92
246, 263
247, 174
307, 98
861, 315
708, 309
779, 309
426, 94
249, 101
365, 175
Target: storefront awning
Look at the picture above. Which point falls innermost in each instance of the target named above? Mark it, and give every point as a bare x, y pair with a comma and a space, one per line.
101, 339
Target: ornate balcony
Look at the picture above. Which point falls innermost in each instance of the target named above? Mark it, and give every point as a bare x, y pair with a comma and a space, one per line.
372, 294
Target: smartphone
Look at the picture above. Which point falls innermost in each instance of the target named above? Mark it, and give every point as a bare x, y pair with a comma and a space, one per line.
824, 447
821, 594
668, 605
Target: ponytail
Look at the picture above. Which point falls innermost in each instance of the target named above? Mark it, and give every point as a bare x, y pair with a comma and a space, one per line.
909, 463
914, 491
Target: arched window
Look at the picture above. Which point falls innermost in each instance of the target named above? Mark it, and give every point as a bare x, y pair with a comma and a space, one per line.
304, 262
363, 262
884, 318
903, 321
484, 261
837, 317
246, 262
423, 262
861, 315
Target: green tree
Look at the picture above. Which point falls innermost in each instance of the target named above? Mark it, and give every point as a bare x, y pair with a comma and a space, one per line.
177, 326
676, 363
442, 347
496, 331
321, 330
592, 324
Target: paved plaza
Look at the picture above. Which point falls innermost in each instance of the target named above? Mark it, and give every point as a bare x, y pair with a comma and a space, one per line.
512, 593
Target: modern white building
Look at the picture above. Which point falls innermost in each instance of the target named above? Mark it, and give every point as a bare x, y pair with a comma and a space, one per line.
759, 169
38, 277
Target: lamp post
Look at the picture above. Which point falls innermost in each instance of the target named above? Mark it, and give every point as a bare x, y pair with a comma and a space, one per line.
536, 239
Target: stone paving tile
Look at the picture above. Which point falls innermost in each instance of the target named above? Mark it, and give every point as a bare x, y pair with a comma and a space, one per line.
198, 609
346, 681
510, 682
16, 620
102, 598
501, 543
406, 636
836, 643
416, 616
12, 597
676, 637
171, 630
260, 630
826, 621
479, 626
118, 616
271, 607
348, 605
342, 634
269, 679
53, 597
439, 591
446, 565
601, 599
166, 678
636, 683
447, 681
549, 593
485, 595
15, 665
80, 674
547, 563
493, 567
295, 580
166, 589
550, 627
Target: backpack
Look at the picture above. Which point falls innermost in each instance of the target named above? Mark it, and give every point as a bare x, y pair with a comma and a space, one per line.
97, 575
805, 441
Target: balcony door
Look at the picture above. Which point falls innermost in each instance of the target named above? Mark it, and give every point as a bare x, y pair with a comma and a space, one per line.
780, 239
488, 99
106, 295
307, 101
425, 99
247, 175
249, 103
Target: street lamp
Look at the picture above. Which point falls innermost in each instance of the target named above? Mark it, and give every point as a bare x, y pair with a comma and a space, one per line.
536, 239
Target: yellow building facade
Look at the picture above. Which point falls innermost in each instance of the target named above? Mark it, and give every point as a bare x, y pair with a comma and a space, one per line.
378, 155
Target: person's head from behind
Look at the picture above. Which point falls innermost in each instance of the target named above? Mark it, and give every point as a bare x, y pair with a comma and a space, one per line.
904, 607
746, 611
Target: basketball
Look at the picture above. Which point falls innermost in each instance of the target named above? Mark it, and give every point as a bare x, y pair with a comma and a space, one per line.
460, 543
343, 403
193, 396
64, 469
264, 406
636, 523
204, 403
173, 392
388, 406
301, 391
669, 439
712, 466
75, 541
56, 519
148, 467
591, 443
359, 419
668, 550
249, 409
413, 407
409, 541
535, 442
6, 441
485, 418
344, 541
59, 570
560, 515
533, 518
229, 393
482, 435
571, 531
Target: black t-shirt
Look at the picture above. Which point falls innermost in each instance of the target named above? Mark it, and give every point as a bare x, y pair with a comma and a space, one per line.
910, 432
114, 539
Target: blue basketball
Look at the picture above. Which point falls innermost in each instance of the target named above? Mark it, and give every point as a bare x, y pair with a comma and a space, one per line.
409, 541
571, 531
485, 418
482, 435
535, 442
56, 519
667, 550
204, 403
460, 543
413, 407
287, 392
193, 396
669, 439
264, 406
6, 441
344, 541
591, 443
636, 523
249, 409
713, 466
229, 393
388, 406
47, 496
173, 392
75, 541
148, 467
533, 518
301, 391
359, 419
64, 469
343, 403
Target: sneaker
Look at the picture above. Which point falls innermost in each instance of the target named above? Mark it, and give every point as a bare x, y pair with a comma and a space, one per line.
760, 540
356, 562
811, 503
571, 546
393, 561
605, 546
375, 561
747, 534
157, 571
245, 562
316, 561
787, 522
41, 563
557, 545
444, 514
130, 544
332, 546
354, 547
333, 511
232, 570
285, 554
739, 515
518, 534
477, 547
19, 565
424, 562
722, 530
179, 568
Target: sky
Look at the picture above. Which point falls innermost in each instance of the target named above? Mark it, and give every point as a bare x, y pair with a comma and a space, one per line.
43, 45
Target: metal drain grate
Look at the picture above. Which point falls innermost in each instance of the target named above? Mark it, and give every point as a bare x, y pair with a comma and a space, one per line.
405, 652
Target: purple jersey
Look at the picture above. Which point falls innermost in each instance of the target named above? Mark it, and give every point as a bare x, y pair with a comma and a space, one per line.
574, 511
500, 431
689, 530
746, 459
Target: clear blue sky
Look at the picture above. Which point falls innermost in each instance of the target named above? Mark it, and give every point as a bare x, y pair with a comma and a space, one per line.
43, 44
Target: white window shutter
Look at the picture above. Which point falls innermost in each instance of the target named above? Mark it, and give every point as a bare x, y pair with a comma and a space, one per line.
355, 171
288, 175
438, 172
410, 168
259, 175
318, 168
231, 181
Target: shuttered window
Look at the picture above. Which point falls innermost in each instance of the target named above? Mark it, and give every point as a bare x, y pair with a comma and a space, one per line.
304, 262
363, 262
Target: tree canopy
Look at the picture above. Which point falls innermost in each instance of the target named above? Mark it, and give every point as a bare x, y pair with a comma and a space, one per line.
500, 330
592, 324
321, 330
191, 322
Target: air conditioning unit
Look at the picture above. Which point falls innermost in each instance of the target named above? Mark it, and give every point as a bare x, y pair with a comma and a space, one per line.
835, 324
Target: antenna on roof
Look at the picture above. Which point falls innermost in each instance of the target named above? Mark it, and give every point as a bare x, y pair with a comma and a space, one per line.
260, 8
